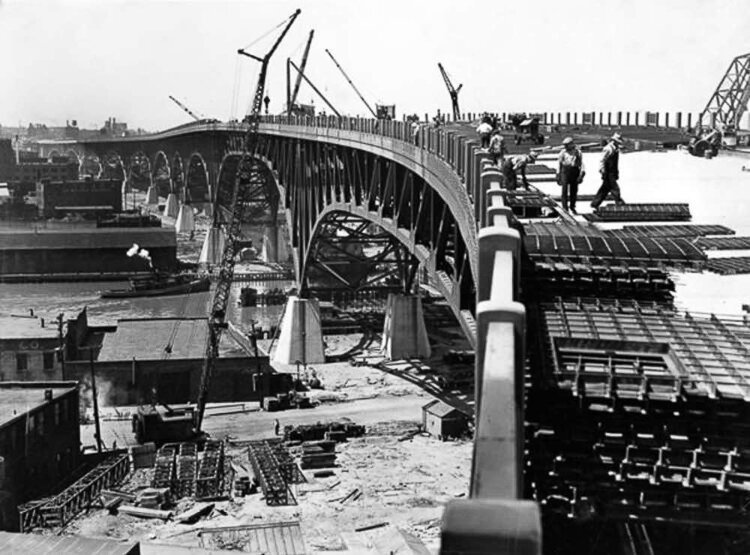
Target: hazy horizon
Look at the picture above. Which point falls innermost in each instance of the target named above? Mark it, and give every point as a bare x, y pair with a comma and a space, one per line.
91, 60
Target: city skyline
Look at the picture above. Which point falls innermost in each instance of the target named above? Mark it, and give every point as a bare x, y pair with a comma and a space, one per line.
89, 61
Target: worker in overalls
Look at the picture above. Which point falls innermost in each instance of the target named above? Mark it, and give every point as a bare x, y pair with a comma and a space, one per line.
515, 165
609, 168
570, 173
497, 147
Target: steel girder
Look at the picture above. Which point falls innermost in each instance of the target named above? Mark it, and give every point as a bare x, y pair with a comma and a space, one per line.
316, 176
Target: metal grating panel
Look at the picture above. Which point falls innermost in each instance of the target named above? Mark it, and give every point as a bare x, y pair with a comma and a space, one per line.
730, 266
723, 243
685, 230
641, 212
714, 353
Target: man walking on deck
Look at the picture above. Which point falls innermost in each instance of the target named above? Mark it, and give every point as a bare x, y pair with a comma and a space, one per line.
483, 130
570, 173
609, 168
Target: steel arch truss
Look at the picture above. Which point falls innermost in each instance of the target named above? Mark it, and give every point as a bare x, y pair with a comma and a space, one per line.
261, 195
315, 176
351, 252
729, 101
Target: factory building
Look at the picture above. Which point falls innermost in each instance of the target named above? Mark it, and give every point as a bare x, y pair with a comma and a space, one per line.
84, 251
29, 349
39, 442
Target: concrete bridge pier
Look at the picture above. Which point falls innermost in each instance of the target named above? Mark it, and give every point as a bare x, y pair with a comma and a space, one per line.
213, 247
185, 219
301, 336
152, 195
404, 331
271, 243
172, 209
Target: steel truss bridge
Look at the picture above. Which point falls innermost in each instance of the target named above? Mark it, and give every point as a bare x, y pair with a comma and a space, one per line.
364, 200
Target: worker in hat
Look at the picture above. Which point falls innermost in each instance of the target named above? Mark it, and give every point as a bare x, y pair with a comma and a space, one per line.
609, 168
570, 173
515, 165
497, 147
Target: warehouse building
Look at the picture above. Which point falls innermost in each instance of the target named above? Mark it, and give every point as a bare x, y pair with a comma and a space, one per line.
39, 442
56, 198
158, 359
84, 250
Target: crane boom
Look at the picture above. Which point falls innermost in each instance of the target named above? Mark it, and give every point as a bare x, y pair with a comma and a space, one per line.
181, 105
302, 65
452, 91
362, 98
320, 94
249, 172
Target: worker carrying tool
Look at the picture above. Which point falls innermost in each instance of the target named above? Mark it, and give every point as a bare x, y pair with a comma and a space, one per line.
570, 173
609, 168
514, 166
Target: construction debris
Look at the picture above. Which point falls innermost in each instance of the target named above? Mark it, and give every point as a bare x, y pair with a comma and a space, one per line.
195, 513
371, 527
142, 512
318, 431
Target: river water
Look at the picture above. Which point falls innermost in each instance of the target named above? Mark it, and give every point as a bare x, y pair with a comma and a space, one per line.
717, 190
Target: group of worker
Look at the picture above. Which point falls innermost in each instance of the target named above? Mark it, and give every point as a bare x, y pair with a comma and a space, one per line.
570, 172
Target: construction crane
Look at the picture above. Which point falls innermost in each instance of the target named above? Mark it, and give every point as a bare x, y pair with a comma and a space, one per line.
292, 97
164, 425
185, 108
362, 98
313, 87
453, 91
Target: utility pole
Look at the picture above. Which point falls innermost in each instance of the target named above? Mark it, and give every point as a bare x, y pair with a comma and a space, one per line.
96, 402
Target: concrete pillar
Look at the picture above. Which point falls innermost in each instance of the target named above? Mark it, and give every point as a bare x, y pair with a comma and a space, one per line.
627, 118
213, 246
152, 196
636, 119
404, 331
301, 336
690, 119
678, 123
270, 248
185, 219
172, 209
619, 119
575, 118
609, 118
666, 119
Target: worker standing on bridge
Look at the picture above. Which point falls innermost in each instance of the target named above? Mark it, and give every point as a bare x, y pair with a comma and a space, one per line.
484, 130
570, 173
609, 168
497, 147
515, 165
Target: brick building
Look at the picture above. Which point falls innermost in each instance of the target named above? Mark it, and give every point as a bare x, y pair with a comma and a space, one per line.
55, 197
39, 442
29, 349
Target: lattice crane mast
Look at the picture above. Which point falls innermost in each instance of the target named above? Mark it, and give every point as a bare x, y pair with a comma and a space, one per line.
185, 108
292, 100
453, 91
729, 100
362, 98
249, 172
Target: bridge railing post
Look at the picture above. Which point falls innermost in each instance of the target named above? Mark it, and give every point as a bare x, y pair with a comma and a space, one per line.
495, 519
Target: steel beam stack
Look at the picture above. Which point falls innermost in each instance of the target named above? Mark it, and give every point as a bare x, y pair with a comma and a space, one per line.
61, 509
186, 470
287, 465
272, 482
210, 481
641, 212
164, 468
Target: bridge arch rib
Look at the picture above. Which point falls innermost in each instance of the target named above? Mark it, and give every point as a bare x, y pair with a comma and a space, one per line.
161, 173
197, 185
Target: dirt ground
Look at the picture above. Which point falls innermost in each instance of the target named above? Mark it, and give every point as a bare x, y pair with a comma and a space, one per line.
403, 483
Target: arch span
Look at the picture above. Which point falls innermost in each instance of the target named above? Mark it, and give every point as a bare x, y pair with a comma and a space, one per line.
197, 186
161, 173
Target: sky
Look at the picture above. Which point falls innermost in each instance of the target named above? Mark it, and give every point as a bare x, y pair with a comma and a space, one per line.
90, 60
